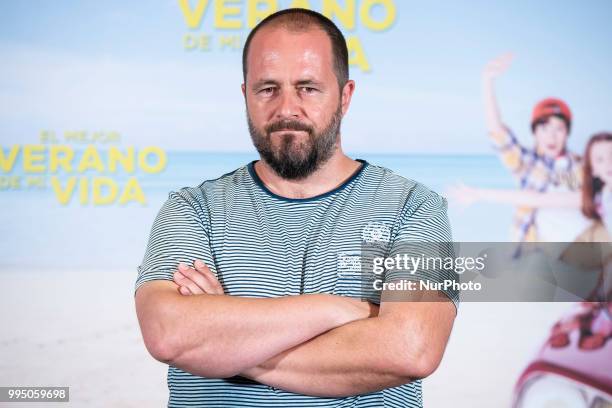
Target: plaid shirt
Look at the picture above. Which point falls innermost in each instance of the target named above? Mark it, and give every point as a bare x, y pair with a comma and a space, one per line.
536, 173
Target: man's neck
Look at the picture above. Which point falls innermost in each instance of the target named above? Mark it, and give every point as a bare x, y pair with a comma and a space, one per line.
329, 176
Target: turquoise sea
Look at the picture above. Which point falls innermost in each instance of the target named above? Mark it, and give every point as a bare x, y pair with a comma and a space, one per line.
40, 233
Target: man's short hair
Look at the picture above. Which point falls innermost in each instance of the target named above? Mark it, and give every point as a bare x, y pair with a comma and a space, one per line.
302, 20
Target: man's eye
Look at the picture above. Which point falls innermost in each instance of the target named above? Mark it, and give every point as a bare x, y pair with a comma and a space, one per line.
266, 91
307, 89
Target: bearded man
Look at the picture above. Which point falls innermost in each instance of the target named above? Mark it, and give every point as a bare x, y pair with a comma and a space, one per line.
251, 284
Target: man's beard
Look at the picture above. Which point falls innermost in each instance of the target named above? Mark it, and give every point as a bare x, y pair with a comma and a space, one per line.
295, 159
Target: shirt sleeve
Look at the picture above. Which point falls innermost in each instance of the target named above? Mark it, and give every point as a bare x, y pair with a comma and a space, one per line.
425, 234
509, 149
179, 234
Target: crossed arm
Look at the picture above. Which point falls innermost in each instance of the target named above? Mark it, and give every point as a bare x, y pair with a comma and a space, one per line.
366, 355
318, 344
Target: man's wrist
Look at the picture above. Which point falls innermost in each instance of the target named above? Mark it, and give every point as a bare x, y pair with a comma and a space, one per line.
252, 372
351, 309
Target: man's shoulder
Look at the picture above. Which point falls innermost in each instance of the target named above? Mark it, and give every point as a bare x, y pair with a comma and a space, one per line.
411, 193
202, 194
389, 178
419, 212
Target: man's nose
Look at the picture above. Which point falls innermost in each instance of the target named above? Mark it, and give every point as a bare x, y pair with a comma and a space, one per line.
289, 104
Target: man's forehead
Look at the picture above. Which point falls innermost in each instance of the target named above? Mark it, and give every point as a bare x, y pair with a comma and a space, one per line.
272, 45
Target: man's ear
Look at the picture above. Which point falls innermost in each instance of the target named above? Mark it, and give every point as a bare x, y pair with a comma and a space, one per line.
347, 93
243, 87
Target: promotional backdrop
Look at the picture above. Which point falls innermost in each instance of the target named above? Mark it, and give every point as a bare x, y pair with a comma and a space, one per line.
108, 106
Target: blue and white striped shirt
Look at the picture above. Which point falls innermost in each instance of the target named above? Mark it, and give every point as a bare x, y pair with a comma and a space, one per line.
263, 245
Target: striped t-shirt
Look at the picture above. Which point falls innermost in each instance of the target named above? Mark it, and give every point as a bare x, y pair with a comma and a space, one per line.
263, 245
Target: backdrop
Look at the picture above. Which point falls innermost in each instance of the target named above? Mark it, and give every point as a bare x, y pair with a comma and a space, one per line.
108, 106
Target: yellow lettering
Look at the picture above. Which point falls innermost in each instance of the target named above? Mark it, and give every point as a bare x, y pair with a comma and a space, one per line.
64, 160
127, 160
98, 184
193, 18
30, 156
13, 182
192, 42
189, 41
132, 192
346, 16
63, 195
75, 136
369, 22
47, 136
8, 164
90, 160
37, 181
229, 41
256, 14
357, 54
161, 159
301, 4
83, 190
222, 11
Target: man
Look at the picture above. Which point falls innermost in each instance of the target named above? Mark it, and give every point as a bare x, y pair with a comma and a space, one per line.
548, 166
263, 309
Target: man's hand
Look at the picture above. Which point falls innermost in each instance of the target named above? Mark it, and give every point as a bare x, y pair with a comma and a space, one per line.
226, 335
197, 280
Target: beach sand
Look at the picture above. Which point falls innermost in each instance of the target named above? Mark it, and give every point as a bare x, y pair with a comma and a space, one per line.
79, 329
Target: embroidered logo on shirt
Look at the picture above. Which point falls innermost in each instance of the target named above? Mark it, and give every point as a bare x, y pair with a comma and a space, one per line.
376, 232
349, 262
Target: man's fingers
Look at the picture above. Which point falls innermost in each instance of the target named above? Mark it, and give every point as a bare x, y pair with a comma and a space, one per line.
197, 278
182, 280
184, 290
212, 279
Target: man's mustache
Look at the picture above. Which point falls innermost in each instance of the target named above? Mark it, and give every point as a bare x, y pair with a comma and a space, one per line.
288, 125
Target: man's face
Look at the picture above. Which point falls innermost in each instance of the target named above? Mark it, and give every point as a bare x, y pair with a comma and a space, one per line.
294, 105
551, 137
